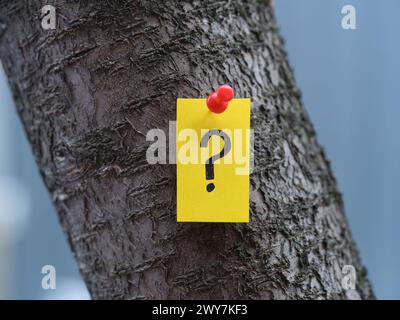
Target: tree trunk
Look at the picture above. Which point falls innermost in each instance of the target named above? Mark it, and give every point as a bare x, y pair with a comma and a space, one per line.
88, 92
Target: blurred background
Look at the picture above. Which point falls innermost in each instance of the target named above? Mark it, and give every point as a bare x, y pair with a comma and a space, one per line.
349, 80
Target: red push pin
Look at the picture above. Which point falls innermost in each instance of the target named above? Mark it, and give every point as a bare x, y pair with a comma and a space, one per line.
217, 102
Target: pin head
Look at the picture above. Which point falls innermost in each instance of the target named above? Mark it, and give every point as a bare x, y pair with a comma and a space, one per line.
217, 101
225, 92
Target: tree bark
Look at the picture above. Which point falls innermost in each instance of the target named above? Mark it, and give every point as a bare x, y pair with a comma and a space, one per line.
88, 92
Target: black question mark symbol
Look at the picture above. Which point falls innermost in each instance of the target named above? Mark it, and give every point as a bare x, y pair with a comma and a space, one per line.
210, 162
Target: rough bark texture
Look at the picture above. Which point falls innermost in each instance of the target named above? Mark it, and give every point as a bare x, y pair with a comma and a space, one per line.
88, 92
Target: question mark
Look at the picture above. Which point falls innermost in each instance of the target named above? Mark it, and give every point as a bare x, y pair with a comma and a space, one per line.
210, 162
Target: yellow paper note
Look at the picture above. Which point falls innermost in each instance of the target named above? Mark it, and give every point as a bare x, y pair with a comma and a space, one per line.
213, 190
